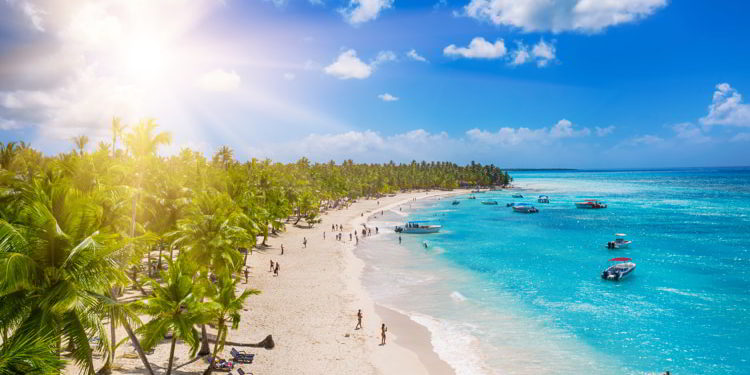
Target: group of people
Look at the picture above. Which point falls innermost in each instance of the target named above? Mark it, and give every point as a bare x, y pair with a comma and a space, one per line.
274, 268
383, 328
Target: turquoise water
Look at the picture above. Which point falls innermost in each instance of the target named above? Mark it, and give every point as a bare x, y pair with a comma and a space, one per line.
504, 292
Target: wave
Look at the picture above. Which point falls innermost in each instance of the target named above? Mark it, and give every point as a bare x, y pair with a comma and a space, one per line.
457, 296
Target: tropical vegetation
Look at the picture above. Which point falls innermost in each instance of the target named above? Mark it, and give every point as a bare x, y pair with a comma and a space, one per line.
81, 229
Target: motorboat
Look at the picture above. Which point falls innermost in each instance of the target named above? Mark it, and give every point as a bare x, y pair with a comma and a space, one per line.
455, 203
510, 204
524, 208
620, 270
417, 227
490, 203
543, 199
517, 195
620, 242
472, 197
591, 204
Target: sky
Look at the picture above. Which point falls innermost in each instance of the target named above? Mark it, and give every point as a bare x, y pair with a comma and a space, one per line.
517, 83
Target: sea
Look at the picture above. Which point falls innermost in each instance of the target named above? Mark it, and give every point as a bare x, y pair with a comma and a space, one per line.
511, 293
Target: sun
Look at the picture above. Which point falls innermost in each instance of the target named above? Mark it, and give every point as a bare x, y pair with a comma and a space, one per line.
145, 60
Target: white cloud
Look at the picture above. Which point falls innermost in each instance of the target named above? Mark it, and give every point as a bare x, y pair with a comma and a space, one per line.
412, 54
348, 66
478, 48
289, 76
388, 97
727, 108
6, 124
690, 133
543, 52
558, 16
601, 132
360, 11
513, 136
647, 139
741, 137
520, 55
31, 11
382, 57
219, 80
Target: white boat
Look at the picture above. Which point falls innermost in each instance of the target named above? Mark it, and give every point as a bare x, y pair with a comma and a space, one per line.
543, 199
417, 227
620, 242
617, 272
524, 208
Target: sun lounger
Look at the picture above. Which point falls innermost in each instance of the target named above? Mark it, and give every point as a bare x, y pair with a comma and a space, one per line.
242, 357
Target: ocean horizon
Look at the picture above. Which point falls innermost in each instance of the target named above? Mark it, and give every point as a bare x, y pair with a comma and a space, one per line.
504, 292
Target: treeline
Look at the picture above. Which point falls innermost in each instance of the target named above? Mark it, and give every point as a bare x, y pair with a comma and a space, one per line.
79, 228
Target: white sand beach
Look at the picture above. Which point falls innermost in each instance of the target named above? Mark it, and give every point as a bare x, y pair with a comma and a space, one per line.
310, 309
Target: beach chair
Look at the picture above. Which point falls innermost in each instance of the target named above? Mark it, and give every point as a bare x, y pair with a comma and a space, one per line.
241, 372
241, 357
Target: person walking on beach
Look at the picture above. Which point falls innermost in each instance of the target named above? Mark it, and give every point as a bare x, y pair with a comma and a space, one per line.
304, 242
383, 330
333, 227
271, 269
282, 249
276, 270
399, 240
376, 230
324, 235
246, 273
359, 319
350, 237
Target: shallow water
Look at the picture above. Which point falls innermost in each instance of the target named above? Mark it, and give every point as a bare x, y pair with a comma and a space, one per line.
504, 292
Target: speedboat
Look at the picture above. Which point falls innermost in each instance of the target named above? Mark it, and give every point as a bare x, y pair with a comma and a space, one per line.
490, 203
543, 199
417, 227
617, 272
591, 203
472, 197
517, 196
455, 203
620, 242
510, 204
524, 208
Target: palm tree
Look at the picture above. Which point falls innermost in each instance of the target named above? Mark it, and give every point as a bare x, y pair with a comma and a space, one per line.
30, 354
174, 307
227, 315
209, 236
224, 157
81, 141
117, 128
56, 266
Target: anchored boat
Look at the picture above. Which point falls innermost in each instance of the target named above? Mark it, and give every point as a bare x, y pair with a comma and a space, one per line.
543, 199
617, 272
524, 208
418, 227
517, 195
455, 203
591, 203
490, 203
620, 242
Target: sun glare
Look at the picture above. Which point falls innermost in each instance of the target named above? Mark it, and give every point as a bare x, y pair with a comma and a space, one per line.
145, 60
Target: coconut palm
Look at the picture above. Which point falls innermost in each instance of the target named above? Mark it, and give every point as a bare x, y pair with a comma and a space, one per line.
176, 308
227, 315
117, 128
81, 141
56, 267
30, 354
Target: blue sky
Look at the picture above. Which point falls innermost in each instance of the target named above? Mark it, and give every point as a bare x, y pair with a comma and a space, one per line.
522, 83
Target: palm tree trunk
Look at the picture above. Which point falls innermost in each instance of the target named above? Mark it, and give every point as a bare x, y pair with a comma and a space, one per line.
158, 262
137, 346
216, 348
265, 233
171, 354
205, 349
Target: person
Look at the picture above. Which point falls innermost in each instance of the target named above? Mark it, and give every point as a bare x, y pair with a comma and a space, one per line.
304, 242
276, 270
356, 241
350, 237
399, 240
359, 319
282, 249
425, 244
383, 330
324, 235
246, 274
333, 227
376, 230
271, 269
362, 214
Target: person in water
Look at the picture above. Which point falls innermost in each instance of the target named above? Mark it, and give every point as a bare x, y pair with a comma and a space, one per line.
359, 319
383, 330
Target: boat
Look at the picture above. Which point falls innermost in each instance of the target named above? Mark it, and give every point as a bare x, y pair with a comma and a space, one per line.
472, 197
543, 199
417, 227
517, 195
617, 272
490, 203
455, 203
524, 208
591, 203
620, 242
510, 204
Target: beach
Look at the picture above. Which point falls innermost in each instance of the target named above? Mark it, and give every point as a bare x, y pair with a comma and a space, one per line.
310, 308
